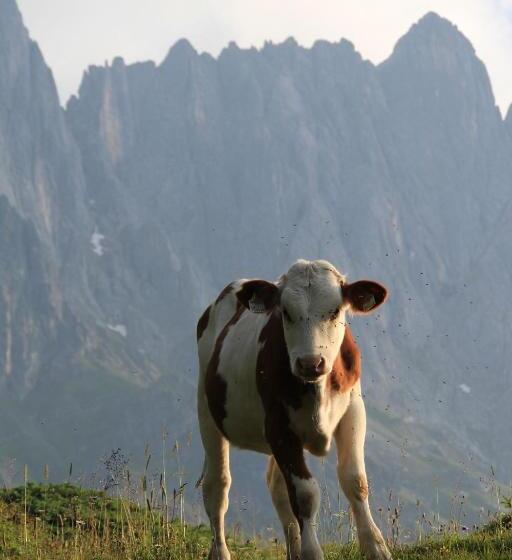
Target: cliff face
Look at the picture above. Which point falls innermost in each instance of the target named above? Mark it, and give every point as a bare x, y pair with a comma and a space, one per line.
69, 368
160, 184
40, 192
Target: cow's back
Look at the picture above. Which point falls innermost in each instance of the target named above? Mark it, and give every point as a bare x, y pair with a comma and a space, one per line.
228, 348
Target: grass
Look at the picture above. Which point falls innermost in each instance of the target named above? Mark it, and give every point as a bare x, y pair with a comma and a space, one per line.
47, 522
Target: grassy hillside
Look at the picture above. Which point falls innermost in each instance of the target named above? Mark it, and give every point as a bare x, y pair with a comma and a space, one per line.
46, 522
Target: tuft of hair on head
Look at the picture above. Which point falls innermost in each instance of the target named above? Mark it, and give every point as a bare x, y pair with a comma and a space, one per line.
316, 267
321, 264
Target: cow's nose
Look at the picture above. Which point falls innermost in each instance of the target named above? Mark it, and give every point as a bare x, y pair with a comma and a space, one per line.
311, 366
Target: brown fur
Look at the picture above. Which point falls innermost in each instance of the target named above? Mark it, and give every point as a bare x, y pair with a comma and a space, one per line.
227, 290
202, 324
361, 488
274, 376
364, 295
215, 384
357, 489
278, 387
266, 293
347, 366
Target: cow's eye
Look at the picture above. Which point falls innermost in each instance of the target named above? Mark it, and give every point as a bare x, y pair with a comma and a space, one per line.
286, 315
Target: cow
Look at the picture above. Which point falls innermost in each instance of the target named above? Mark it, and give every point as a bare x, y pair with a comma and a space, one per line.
280, 374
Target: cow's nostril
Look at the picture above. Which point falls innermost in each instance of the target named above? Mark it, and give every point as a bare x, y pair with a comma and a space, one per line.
320, 365
312, 365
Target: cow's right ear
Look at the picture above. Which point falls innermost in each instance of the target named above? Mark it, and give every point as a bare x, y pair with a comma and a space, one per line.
364, 296
259, 296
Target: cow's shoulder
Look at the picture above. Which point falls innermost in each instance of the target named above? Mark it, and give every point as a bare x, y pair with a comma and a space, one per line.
228, 292
347, 366
221, 310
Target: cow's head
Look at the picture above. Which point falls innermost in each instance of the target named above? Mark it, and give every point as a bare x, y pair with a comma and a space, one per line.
313, 298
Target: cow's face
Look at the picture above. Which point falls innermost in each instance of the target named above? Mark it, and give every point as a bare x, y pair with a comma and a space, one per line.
313, 298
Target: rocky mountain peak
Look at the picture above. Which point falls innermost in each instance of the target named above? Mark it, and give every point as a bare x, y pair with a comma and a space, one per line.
14, 46
436, 34
180, 53
436, 47
434, 70
508, 120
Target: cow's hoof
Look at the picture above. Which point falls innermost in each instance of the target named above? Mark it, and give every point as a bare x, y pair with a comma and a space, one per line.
312, 553
219, 553
377, 550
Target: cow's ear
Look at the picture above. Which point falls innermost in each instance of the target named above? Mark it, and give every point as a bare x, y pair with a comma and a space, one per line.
259, 296
364, 296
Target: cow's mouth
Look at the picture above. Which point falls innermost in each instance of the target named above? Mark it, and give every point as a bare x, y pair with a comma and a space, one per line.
312, 379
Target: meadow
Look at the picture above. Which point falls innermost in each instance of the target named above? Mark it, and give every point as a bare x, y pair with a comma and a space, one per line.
65, 521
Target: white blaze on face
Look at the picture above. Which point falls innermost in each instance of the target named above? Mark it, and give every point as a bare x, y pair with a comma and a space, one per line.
313, 314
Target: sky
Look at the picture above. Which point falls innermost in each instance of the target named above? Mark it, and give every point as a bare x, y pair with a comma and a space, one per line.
74, 34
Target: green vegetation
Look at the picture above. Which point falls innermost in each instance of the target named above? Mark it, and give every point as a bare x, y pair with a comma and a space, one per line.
46, 522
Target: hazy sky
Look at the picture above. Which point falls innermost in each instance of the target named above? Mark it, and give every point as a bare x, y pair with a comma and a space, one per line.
76, 33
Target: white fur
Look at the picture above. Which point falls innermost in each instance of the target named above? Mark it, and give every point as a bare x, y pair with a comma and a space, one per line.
216, 478
245, 413
349, 436
311, 293
279, 492
308, 498
317, 419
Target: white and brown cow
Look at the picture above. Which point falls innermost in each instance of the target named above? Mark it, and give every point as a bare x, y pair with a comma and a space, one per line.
280, 374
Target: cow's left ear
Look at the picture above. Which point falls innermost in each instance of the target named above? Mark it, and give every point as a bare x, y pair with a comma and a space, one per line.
364, 296
259, 296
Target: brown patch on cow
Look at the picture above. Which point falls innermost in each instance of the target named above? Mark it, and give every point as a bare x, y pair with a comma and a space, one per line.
227, 290
215, 384
288, 452
347, 366
286, 445
364, 295
265, 293
203, 322
274, 377
279, 388
360, 488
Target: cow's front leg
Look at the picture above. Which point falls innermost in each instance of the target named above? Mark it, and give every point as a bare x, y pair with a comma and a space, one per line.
216, 480
303, 490
350, 435
279, 492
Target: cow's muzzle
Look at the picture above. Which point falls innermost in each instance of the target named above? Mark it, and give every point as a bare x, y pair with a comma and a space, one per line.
310, 367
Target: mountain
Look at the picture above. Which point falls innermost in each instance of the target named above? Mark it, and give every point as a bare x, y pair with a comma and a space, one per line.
65, 365
508, 119
125, 213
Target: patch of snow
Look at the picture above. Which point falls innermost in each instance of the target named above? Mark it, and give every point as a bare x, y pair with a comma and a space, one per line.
465, 388
96, 239
120, 329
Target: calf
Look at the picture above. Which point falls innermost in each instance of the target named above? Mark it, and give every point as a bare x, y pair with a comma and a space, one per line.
280, 374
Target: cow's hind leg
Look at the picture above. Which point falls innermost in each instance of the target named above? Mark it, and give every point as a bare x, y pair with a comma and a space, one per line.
279, 492
350, 436
216, 481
